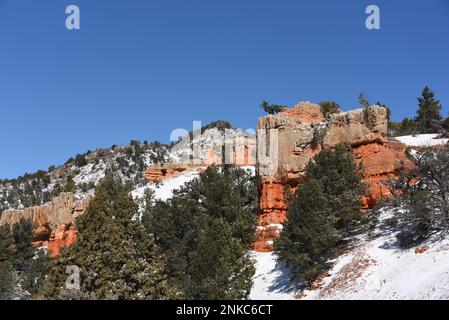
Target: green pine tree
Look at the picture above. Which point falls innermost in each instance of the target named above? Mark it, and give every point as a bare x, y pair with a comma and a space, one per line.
272, 108
445, 126
34, 276
22, 233
208, 218
342, 182
116, 256
310, 237
428, 114
70, 185
7, 279
329, 107
218, 267
323, 211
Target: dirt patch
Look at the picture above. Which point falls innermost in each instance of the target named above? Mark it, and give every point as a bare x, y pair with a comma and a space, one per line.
345, 279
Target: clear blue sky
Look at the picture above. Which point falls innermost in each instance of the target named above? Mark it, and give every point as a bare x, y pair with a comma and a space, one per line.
138, 69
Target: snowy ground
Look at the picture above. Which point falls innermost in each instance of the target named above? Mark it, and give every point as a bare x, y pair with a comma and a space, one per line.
422, 140
271, 280
379, 270
374, 269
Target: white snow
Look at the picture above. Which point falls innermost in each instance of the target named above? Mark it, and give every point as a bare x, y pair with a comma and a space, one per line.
276, 226
164, 190
374, 269
422, 140
271, 281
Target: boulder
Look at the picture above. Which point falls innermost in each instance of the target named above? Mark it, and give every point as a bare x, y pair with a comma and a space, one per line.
422, 249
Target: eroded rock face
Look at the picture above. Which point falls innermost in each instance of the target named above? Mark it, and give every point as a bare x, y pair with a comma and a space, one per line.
215, 146
302, 132
53, 222
381, 162
158, 173
61, 237
351, 128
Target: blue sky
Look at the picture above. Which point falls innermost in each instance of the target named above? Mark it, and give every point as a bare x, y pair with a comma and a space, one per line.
139, 69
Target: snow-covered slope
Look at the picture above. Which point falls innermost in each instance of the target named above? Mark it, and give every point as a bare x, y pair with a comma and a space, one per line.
422, 140
271, 280
164, 190
376, 268
373, 269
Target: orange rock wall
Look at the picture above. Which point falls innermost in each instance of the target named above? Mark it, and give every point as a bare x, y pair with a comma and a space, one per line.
53, 222
382, 159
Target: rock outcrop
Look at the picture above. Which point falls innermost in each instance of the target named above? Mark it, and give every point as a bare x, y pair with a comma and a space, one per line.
160, 172
288, 140
215, 146
211, 147
53, 222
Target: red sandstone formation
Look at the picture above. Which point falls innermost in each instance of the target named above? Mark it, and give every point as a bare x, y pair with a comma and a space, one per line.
53, 222
296, 130
241, 151
61, 237
381, 162
158, 173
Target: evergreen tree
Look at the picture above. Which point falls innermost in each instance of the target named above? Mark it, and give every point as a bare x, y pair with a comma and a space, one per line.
70, 185
22, 233
445, 126
342, 182
323, 211
35, 274
272, 108
218, 267
6, 257
363, 100
424, 202
428, 114
329, 107
80, 160
116, 256
408, 127
209, 217
369, 117
310, 237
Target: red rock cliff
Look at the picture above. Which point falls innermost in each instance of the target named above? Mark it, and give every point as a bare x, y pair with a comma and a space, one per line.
53, 222
288, 140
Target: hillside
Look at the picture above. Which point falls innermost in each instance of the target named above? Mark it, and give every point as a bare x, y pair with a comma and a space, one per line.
81, 173
374, 268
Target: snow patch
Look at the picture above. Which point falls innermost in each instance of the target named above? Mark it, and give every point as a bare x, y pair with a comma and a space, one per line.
271, 280
422, 140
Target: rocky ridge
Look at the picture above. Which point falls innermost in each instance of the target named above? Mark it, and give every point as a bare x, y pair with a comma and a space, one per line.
41, 196
295, 135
